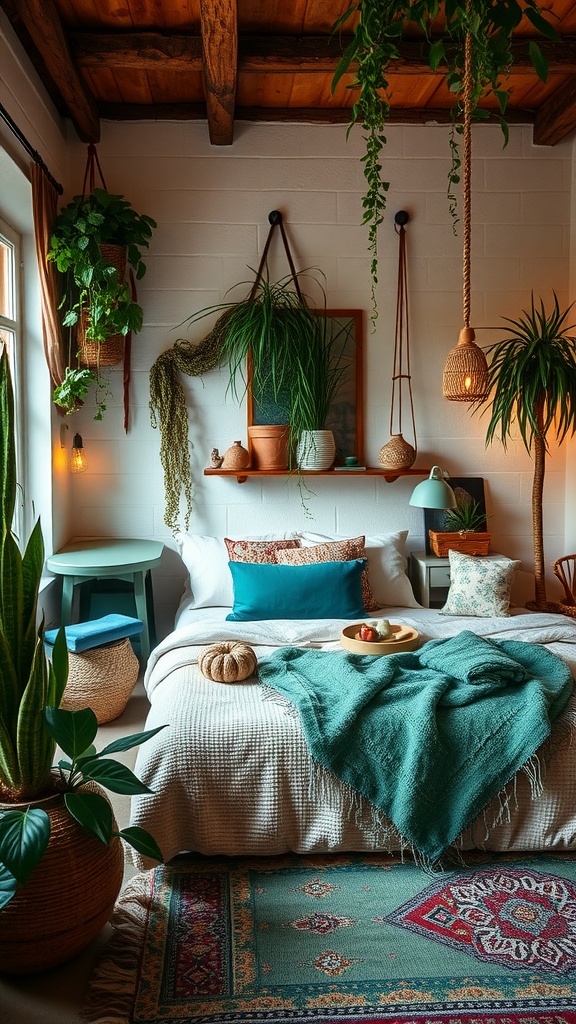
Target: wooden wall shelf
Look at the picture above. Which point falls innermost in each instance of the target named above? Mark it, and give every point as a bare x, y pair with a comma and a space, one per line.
389, 475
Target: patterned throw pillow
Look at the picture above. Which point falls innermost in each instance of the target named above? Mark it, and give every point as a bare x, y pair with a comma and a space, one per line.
259, 552
334, 551
479, 586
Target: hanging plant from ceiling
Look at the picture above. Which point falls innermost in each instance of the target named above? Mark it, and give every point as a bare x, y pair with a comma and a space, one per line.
443, 25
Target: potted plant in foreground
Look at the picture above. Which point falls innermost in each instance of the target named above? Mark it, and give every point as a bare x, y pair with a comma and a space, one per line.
532, 386
95, 237
61, 856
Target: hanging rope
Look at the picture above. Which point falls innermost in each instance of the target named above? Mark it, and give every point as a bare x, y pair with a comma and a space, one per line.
92, 162
401, 336
467, 173
398, 453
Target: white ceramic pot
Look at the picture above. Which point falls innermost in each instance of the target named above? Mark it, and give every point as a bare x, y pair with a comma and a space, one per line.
316, 450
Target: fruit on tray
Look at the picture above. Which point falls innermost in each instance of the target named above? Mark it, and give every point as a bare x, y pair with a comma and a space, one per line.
372, 632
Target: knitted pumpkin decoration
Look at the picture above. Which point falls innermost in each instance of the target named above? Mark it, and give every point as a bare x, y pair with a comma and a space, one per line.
227, 662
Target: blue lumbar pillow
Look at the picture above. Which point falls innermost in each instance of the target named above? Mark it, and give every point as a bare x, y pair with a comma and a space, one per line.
81, 636
323, 590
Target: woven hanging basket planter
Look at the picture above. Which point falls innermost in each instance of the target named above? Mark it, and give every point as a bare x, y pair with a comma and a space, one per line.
397, 453
101, 678
95, 354
68, 898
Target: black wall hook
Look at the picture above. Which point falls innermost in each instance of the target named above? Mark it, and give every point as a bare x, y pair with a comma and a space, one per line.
401, 218
275, 217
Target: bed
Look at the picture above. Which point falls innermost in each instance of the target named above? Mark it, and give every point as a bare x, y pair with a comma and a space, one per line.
232, 773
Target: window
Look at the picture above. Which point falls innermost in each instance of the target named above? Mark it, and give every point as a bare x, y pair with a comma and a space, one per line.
10, 330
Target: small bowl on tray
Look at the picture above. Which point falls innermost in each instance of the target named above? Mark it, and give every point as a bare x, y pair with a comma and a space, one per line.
403, 638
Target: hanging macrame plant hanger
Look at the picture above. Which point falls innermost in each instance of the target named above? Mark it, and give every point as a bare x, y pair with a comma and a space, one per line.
117, 349
398, 453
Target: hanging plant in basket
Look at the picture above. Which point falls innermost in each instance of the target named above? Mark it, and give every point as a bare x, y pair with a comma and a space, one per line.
96, 237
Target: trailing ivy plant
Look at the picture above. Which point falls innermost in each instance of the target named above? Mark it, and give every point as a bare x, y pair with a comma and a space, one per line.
374, 47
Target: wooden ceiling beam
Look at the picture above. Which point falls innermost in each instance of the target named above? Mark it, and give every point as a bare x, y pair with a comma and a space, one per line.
270, 54
43, 24
295, 115
219, 30
557, 116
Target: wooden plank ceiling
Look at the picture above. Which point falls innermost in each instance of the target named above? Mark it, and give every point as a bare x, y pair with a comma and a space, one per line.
264, 60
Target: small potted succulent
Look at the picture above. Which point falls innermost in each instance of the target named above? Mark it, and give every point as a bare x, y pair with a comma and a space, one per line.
465, 531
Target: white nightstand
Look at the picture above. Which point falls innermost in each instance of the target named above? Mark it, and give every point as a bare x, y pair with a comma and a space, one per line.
430, 577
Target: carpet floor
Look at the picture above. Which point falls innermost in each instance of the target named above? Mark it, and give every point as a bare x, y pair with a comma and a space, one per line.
342, 938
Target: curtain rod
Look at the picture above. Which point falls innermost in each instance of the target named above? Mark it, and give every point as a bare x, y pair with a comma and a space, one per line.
29, 148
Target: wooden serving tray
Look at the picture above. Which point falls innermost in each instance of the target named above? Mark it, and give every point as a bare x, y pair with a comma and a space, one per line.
404, 639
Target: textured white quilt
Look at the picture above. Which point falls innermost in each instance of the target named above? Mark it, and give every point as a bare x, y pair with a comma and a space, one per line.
232, 774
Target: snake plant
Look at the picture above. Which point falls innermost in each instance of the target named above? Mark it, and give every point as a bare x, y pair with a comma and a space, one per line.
32, 723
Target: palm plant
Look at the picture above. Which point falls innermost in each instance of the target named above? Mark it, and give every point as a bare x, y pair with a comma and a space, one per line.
532, 379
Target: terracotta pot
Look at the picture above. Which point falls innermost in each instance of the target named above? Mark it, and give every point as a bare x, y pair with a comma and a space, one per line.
68, 898
236, 457
269, 446
466, 543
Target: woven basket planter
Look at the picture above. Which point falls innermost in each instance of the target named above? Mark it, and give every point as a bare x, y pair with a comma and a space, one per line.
68, 898
466, 543
101, 678
95, 354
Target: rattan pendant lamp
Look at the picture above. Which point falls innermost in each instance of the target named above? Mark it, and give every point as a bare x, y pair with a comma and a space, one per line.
465, 376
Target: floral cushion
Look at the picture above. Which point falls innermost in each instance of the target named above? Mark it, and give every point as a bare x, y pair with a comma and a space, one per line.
259, 552
479, 586
333, 551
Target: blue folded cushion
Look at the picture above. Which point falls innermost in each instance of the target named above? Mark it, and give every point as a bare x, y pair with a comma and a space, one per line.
323, 590
81, 636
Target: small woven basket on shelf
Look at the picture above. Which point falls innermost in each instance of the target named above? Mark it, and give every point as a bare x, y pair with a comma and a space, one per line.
101, 678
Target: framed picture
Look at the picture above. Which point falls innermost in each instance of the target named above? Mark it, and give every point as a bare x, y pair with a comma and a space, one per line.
345, 328
466, 489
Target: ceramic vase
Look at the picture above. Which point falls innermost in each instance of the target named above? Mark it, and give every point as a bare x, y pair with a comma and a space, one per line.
316, 450
236, 457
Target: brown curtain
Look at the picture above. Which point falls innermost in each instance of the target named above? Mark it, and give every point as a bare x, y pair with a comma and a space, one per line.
45, 202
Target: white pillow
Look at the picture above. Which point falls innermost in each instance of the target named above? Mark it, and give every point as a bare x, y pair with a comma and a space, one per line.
206, 559
479, 586
387, 564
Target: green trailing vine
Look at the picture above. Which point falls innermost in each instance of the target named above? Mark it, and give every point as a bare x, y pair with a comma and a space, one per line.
373, 48
168, 412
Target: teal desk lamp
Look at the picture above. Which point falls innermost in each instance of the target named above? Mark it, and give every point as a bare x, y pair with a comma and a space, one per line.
434, 492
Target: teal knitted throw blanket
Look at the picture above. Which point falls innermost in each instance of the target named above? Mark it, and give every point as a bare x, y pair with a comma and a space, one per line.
428, 737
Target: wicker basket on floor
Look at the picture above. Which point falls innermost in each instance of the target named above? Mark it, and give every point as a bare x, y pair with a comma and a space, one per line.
101, 678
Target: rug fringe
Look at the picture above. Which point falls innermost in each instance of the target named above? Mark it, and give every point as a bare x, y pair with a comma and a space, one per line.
112, 987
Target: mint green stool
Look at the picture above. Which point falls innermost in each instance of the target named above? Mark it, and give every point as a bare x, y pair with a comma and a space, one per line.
131, 560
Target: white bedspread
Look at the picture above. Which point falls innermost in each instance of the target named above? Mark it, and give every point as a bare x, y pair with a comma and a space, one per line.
232, 773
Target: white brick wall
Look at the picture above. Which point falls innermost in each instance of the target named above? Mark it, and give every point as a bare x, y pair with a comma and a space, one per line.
212, 208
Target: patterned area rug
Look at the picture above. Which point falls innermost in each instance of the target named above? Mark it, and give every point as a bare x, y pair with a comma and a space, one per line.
344, 938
